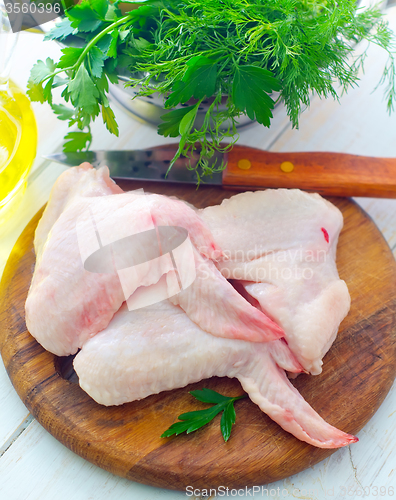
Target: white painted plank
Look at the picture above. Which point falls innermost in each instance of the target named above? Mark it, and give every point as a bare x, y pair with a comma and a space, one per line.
383, 213
12, 411
38, 467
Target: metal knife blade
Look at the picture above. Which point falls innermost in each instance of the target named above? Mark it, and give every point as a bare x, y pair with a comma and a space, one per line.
327, 173
150, 164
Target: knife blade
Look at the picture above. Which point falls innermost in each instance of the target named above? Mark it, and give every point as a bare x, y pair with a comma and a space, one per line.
332, 174
144, 164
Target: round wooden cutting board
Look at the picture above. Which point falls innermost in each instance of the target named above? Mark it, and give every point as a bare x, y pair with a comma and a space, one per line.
358, 372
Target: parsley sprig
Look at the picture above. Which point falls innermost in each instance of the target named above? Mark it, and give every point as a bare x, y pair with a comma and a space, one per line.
194, 420
244, 54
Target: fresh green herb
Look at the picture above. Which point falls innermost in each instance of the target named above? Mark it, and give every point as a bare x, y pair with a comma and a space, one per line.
237, 56
194, 420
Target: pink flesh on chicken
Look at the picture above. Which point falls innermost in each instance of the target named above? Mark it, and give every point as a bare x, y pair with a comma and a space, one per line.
87, 212
216, 306
159, 348
282, 245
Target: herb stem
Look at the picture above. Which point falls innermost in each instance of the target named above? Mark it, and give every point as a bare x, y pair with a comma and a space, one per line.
100, 35
89, 46
240, 397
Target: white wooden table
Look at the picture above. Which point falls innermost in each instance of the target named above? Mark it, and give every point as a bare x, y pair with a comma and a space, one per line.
34, 465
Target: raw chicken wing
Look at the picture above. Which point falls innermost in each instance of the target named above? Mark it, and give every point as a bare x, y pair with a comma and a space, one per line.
159, 348
282, 244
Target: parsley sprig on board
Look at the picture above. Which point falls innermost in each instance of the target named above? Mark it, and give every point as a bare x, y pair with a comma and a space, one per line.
194, 420
244, 53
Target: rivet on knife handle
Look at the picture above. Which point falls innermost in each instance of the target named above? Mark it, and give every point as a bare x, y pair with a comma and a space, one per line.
244, 164
287, 167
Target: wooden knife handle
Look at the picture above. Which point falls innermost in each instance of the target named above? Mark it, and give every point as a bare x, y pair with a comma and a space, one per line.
333, 174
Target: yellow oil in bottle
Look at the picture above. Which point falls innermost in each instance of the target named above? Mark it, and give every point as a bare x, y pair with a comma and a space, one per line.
18, 142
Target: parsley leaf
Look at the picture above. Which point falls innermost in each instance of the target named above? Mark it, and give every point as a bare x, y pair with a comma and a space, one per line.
83, 91
112, 51
194, 420
61, 31
187, 121
63, 112
70, 57
227, 421
199, 81
77, 141
39, 72
96, 60
84, 16
208, 396
109, 120
250, 91
100, 6
172, 120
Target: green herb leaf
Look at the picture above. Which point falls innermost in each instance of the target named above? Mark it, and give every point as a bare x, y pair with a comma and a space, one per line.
96, 60
112, 52
202, 415
227, 420
109, 120
63, 112
47, 91
250, 92
176, 429
41, 70
100, 6
61, 31
70, 57
187, 121
84, 17
194, 420
208, 396
111, 67
102, 85
199, 81
141, 43
172, 119
104, 43
35, 92
113, 12
77, 141
83, 91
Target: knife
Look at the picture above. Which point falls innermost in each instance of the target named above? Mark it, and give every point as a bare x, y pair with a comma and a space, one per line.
334, 174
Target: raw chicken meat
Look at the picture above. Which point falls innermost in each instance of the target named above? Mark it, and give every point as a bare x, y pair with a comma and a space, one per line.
97, 246
217, 307
282, 245
159, 348
75, 182
72, 296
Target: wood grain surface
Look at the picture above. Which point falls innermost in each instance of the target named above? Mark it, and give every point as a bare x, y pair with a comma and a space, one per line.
330, 174
358, 372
